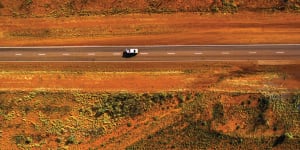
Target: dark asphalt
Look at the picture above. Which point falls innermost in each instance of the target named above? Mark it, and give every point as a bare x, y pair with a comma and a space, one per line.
153, 53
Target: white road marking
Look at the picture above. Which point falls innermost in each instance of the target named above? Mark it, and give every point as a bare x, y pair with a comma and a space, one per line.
144, 53
91, 54
116, 54
66, 54
171, 53
18, 54
198, 53
41, 54
252, 52
225, 53
280, 52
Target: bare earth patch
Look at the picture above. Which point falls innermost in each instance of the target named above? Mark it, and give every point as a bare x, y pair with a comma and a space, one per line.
145, 29
154, 77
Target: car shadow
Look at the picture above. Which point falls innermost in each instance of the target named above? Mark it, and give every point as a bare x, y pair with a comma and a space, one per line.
128, 55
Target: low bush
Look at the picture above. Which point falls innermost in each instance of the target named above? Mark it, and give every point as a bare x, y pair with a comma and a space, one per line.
263, 103
21, 139
127, 104
26, 4
180, 97
70, 140
279, 140
218, 111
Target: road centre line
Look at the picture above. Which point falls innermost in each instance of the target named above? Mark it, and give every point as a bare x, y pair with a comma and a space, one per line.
198, 53
65, 54
252, 52
41, 54
225, 53
91, 54
171, 53
280, 52
18, 54
116, 53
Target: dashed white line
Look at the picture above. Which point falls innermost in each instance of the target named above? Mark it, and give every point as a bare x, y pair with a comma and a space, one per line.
18, 54
280, 52
198, 53
252, 52
41, 54
144, 53
116, 54
66, 54
171, 53
91, 54
225, 53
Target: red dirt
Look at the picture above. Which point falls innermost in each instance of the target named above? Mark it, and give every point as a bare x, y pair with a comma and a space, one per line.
154, 77
142, 29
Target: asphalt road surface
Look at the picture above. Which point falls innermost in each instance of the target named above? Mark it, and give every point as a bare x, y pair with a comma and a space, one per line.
151, 53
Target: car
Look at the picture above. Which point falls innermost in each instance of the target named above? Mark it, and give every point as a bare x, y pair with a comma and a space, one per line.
130, 52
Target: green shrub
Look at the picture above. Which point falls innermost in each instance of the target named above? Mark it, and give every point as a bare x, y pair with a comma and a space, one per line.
198, 96
153, 6
71, 5
21, 139
218, 111
26, 4
58, 140
180, 97
96, 132
155, 118
70, 140
51, 109
260, 120
289, 135
123, 105
296, 101
227, 6
279, 140
188, 71
214, 9
159, 97
84, 2
263, 103
169, 96
189, 96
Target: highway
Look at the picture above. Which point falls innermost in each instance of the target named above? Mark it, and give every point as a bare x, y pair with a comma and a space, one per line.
151, 53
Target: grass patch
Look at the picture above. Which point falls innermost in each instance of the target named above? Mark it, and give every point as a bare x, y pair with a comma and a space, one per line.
21, 139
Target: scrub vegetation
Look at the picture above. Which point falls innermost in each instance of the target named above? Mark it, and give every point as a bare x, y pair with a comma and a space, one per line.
66, 8
76, 119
